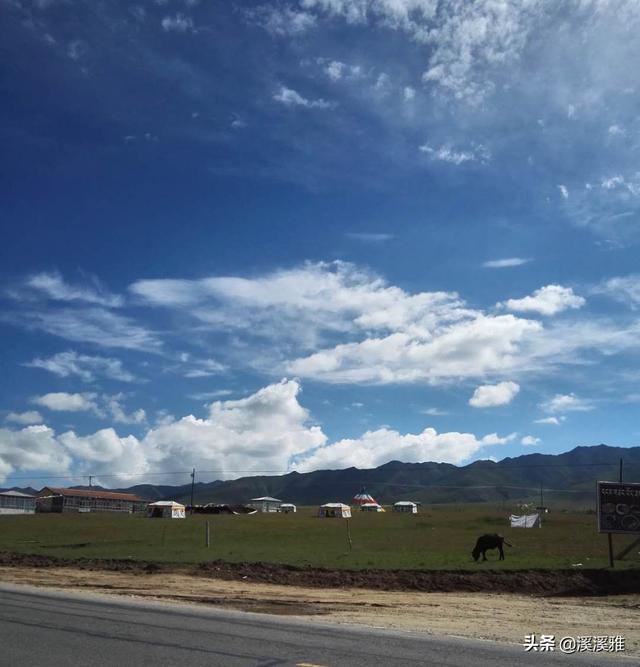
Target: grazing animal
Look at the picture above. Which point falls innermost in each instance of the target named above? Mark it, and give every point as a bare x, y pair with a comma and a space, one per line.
489, 541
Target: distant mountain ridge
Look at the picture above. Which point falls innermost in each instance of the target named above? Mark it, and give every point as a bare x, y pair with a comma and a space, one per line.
570, 475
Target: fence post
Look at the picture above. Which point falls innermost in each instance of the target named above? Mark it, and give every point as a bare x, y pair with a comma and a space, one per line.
207, 540
349, 536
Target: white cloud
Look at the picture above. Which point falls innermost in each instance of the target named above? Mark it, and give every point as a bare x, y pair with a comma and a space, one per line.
435, 412
563, 191
33, 448
505, 263
178, 23
64, 402
625, 289
292, 98
53, 286
554, 421
86, 367
616, 130
408, 93
369, 237
488, 396
205, 368
282, 20
97, 326
114, 405
374, 448
548, 300
561, 403
28, 417
446, 153
474, 347
529, 441
495, 439
266, 431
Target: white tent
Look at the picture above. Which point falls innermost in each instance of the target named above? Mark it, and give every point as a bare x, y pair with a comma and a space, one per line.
266, 504
405, 506
363, 497
288, 508
525, 521
371, 507
165, 509
334, 510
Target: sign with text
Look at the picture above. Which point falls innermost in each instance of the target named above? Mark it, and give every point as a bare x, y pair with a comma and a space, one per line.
618, 507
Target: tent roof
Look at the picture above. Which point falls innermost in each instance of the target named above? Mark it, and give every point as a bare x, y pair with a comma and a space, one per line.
407, 503
166, 503
334, 505
370, 505
268, 498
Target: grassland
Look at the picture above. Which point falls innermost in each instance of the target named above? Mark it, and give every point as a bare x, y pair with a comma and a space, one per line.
438, 538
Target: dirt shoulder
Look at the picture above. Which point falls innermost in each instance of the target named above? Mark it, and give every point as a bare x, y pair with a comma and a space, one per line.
573, 582
499, 617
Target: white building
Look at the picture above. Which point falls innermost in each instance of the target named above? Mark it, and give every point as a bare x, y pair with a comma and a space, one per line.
16, 502
405, 506
165, 509
266, 504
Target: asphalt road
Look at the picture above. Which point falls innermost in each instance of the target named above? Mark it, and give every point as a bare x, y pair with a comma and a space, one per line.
39, 627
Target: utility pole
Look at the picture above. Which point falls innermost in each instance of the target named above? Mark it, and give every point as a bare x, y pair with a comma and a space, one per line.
90, 479
193, 481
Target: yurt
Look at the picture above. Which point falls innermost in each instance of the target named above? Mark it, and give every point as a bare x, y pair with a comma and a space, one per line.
334, 511
363, 497
405, 506
165, 509
371, 507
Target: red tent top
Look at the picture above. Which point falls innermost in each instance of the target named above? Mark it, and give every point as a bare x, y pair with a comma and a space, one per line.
363, 497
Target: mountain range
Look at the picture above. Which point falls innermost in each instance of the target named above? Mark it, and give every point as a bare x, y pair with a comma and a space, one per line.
568, 477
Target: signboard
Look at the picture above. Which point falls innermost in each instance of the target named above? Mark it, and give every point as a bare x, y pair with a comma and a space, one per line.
618, 508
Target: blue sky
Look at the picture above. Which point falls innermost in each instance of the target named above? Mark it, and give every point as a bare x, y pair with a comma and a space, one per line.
304, 234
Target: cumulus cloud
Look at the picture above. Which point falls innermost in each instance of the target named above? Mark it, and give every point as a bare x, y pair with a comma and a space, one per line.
64, 402
489, 396
563, 191
529, 441
86, 367
374, 448
292, 98
548, 300
268, 431
33, 448
28, 417
505, 263
561, 403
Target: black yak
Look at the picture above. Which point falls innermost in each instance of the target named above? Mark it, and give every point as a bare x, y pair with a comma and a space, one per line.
489, 541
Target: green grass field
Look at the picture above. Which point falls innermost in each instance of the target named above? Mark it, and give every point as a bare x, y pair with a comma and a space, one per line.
438, 538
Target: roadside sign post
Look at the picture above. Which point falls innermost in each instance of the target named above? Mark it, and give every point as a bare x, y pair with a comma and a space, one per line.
618, 511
